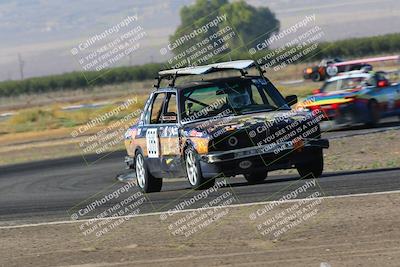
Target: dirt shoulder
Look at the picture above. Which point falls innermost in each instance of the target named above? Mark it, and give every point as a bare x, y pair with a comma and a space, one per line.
350, 231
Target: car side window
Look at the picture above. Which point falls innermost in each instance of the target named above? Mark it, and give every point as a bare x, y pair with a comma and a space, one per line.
170, 114
146, 112
171, 105
156, 108
371, 81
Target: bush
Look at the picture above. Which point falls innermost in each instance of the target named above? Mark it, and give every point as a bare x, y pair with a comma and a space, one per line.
78, 80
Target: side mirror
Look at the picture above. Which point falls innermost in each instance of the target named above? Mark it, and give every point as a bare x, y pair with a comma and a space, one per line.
169, 117
291, 100
316, 91
220, 92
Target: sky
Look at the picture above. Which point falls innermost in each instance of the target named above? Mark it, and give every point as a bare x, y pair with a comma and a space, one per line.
43, 32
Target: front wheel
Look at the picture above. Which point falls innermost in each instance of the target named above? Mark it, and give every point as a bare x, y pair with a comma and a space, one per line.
256, 178
316, 77
193, 171
147, 182
313, 168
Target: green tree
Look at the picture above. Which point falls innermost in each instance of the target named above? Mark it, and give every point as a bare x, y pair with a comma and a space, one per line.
250, 24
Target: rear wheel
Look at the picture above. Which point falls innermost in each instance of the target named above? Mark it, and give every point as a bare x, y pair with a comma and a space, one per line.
193, 171
147, 182
313, 168
374, 113
256, 178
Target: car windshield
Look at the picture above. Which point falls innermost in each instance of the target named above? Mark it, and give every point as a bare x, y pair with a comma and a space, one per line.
345, 84
233, 98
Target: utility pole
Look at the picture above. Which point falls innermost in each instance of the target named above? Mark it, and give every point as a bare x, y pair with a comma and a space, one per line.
21, 64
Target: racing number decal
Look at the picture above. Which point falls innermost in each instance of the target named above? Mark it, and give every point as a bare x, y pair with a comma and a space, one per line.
331, 70
152, 143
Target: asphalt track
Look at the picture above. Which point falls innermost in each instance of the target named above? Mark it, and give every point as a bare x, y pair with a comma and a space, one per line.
54, 189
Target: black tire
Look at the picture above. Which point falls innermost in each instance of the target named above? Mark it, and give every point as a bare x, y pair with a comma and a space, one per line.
374, 113
193, 171
314, 168
256, 178
316, 77
146, 182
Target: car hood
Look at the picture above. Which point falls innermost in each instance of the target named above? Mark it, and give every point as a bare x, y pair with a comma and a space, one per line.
247, 121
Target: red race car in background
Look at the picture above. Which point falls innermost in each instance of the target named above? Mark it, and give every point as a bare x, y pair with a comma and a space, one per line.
328, 68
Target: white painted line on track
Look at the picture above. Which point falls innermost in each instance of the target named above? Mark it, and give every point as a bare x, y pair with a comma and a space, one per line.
190, 210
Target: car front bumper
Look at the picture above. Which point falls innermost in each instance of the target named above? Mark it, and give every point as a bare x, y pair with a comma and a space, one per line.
261, 150
260, 158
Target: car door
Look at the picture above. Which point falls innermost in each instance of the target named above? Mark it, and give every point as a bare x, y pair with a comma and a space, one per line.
151, 130
375, 92
397, 99
170, 160
386, 94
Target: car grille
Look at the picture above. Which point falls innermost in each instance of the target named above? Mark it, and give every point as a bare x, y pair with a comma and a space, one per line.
257, 135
